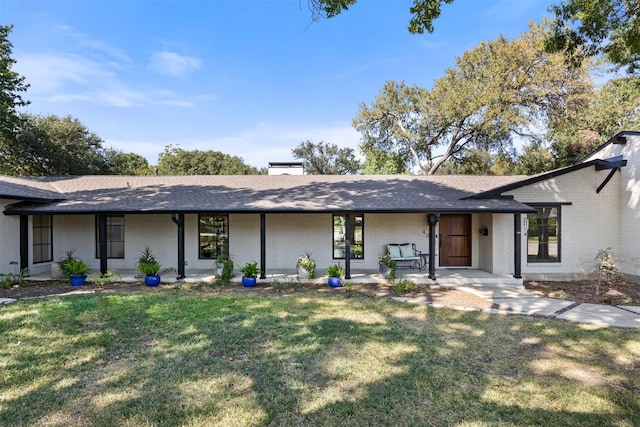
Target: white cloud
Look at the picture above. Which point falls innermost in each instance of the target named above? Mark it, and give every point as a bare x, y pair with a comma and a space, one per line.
257, 146
62, 77
173, 64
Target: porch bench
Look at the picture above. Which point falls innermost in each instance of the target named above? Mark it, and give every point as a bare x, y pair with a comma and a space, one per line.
406, 255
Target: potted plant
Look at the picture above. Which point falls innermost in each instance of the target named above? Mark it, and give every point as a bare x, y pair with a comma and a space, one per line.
387, 267
250, 274
148, 266
335, 273
75, 269
306, 267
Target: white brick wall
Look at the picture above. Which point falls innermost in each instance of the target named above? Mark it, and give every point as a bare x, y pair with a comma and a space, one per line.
9, 240
588, 224
628, 251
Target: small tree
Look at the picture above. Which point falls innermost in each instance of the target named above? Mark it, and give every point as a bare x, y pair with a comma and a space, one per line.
606, 269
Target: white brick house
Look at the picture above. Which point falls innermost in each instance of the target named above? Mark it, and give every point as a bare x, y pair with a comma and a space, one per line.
549, 225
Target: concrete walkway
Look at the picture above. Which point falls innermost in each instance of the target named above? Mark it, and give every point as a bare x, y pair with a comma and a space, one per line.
517, 300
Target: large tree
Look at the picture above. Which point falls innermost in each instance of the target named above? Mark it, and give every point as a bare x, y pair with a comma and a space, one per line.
176, 161
13, 86
128, 164
598, 27
498, 91
52, 145
612, 109
326, 159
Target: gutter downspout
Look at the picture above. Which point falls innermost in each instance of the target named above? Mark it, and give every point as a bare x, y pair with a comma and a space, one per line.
178, 219
102, 236
24, 242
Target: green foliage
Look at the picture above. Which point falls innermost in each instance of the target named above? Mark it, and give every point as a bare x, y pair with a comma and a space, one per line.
227, 271
423, 12
335, 270
535, 159
52, 145
477, 161
176, 161
612, 109
8, 280
326, 159
250, 269
70, 265
13, 86
391, 263
128, 164
147, 263
405, 286
497, 91
378, 162
308, 264
587, 28
606, 268
101, 279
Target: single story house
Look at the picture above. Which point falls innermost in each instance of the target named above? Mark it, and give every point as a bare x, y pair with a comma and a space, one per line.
549, 225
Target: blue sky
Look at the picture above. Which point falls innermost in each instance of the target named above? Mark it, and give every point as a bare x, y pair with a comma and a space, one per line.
249, 78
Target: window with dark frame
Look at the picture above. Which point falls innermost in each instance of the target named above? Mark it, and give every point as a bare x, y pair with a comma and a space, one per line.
213, 240
42, 226
357, 236
115, 237
543, 234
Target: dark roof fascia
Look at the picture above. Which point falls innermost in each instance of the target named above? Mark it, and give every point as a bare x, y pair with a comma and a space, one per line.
15, 210
496, 192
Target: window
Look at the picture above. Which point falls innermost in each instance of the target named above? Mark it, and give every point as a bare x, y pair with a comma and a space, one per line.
543, 234
115, 237
214, 236
42, 241
357, 236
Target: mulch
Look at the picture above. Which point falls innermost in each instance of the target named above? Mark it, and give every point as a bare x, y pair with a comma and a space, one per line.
584, 291
445, 297
618, 293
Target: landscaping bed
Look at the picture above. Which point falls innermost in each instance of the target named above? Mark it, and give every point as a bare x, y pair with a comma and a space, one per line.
584, 291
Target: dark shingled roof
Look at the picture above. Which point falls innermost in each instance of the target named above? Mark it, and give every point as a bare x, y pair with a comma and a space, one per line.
26, 189
263, 193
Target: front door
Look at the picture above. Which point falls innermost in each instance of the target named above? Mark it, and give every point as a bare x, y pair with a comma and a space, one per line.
455, 240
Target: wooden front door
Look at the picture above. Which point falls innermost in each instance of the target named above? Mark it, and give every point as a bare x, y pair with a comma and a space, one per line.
455, 240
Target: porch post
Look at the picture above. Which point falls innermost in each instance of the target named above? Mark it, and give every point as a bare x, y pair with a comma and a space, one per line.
102, 236
517, 242
433, 219
263, 244
178, 219
24, 242
347, 246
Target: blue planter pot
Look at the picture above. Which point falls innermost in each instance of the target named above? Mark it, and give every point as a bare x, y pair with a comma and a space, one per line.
77, 280
335, 282
249, 282
152, 280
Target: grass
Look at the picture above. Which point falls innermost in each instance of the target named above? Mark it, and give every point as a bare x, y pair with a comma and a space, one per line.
193, 358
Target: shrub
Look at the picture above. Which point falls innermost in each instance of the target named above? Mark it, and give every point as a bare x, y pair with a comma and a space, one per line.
335, 270
147, 263
308, 264
250, 269
405, 286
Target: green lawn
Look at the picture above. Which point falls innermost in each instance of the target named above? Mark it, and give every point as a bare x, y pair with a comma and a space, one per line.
180, 357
